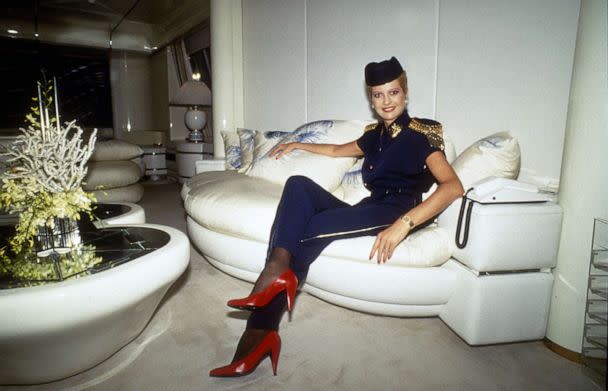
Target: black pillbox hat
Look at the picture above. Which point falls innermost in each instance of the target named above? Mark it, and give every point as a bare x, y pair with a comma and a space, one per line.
377, 73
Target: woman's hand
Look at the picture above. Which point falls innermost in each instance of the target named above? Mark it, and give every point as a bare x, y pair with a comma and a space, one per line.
282, 149
387, 241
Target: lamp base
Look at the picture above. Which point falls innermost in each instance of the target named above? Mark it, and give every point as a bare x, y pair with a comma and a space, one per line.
195, 136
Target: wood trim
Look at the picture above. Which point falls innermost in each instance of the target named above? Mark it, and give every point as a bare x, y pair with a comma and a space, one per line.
562, 351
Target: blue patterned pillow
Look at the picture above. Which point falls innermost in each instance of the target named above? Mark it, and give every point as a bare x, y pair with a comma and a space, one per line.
256, 142
324, 170
232, 150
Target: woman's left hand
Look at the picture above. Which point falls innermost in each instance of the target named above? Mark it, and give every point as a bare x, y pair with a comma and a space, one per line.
387, 241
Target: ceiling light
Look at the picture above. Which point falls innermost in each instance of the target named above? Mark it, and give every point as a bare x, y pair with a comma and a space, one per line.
11, 31
36, 35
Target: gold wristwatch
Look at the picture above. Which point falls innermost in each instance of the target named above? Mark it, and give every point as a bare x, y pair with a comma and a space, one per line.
407, 220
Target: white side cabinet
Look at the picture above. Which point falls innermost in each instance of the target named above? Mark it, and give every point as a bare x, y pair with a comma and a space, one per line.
187, 154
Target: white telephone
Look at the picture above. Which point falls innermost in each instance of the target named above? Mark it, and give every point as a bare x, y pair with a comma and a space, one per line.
495, 190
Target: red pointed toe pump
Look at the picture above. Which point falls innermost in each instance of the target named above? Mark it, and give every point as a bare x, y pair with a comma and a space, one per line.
286, 281
270, 345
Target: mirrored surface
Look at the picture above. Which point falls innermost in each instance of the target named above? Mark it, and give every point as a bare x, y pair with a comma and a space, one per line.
100, 249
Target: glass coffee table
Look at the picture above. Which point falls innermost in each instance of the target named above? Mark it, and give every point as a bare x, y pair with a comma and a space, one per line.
55, 328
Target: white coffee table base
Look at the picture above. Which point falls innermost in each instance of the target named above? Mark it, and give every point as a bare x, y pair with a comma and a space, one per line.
53, 331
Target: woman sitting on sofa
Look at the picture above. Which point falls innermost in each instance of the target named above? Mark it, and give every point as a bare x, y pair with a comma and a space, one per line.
403, 158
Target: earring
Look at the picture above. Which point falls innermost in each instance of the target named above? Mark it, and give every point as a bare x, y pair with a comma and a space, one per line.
373, 107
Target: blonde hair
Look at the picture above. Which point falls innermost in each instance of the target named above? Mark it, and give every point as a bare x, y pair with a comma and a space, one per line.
402, 78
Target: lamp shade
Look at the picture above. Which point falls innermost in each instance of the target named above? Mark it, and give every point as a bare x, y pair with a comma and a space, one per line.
192, 93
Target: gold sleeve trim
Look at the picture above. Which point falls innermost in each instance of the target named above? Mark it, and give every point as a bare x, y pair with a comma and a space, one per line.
371, 126
433, 132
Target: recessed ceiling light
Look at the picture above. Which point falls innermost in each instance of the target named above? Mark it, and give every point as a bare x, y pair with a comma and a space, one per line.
11, 31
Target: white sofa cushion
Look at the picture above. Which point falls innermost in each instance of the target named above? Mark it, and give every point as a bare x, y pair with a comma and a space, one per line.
496, 155
234, 203
324, 170
115, 150
243, 206
111, 174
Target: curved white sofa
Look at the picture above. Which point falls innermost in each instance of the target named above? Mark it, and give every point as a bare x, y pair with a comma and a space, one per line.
496, 289
484, 301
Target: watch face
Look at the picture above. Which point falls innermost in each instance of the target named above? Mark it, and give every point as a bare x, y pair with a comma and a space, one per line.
408, 221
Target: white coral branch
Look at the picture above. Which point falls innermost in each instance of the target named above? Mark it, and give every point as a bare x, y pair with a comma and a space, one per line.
56, 159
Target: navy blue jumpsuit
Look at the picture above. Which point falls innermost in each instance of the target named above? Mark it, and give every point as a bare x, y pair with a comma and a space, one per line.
309, 218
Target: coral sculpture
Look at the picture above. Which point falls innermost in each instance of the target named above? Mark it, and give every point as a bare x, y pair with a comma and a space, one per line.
47, 164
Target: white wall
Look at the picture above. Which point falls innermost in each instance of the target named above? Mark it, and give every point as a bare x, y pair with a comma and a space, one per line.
506, 65
584, 185
274, 63
478, 66
344, 35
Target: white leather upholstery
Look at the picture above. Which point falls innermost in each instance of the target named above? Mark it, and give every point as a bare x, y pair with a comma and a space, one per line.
244, 207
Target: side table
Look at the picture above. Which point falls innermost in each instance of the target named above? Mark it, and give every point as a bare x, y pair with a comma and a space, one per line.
155, 160
186, 156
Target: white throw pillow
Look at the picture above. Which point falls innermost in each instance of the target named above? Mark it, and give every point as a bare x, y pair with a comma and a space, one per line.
111, 174
115, 150
496, 155
450, 150
232, 150
324, 170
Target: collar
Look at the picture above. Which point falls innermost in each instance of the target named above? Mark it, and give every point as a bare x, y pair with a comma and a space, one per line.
400, 123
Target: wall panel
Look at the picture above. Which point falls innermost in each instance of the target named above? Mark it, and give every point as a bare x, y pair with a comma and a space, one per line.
507, 66
274, 66
344, 35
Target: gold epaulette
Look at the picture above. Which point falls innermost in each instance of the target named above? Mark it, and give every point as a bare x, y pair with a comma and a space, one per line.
371, 126
431, 129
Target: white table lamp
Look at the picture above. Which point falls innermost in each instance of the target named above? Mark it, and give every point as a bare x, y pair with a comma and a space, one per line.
195, 95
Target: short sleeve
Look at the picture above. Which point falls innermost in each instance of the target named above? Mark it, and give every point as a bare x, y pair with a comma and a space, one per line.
426, 149
365, 142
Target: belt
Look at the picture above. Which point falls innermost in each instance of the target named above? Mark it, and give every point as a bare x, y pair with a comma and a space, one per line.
393, 190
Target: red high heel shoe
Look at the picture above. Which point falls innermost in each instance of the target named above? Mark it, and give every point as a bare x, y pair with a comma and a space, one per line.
270, 345
286, 281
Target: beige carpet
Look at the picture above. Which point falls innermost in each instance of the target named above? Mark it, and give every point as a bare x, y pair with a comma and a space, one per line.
324, 347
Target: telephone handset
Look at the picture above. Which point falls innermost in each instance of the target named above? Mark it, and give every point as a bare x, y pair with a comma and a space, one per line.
494, 190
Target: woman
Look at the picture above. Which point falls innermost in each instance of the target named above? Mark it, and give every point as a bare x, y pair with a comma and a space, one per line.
403, 157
